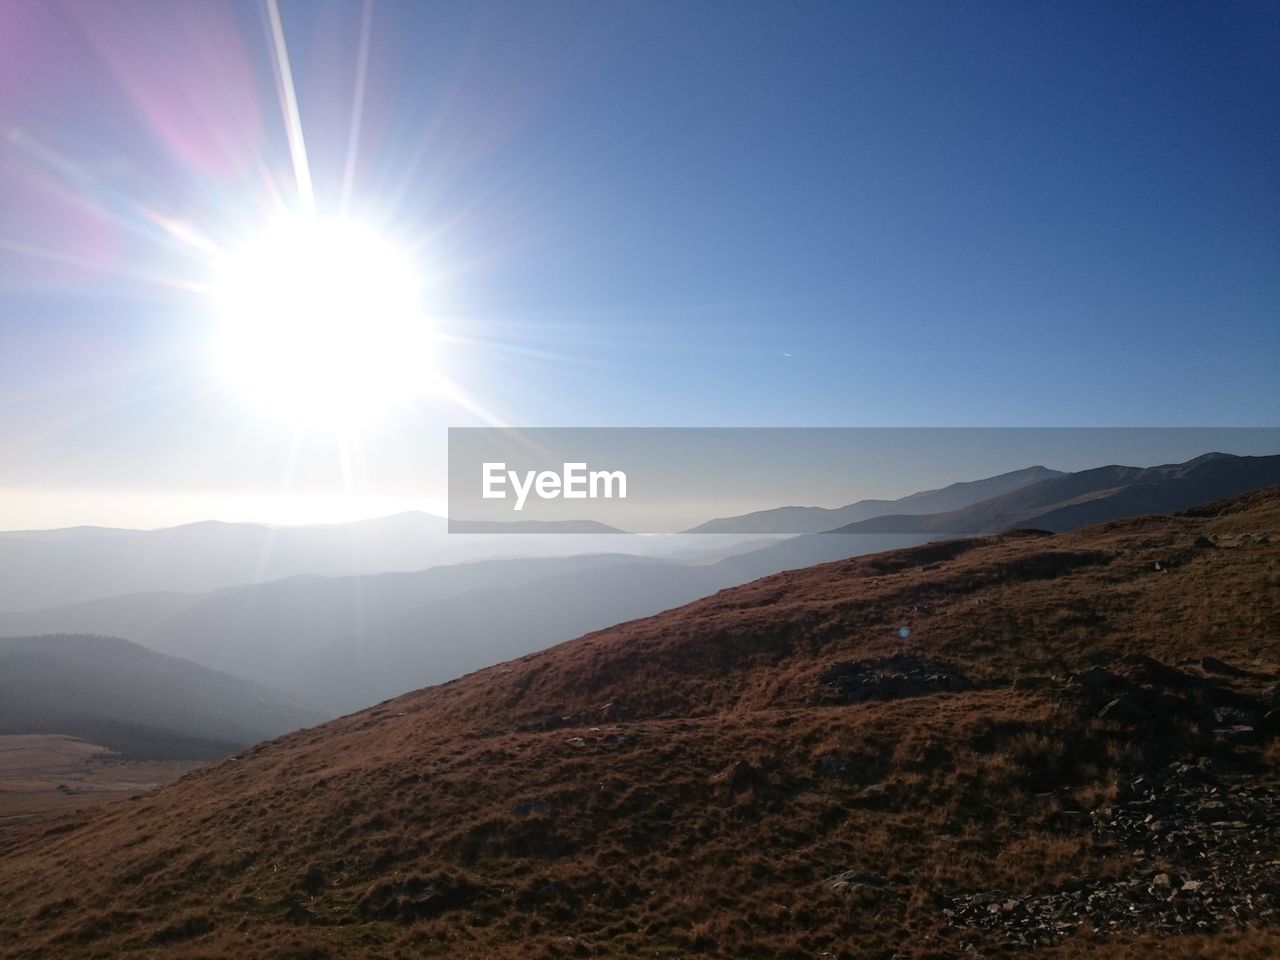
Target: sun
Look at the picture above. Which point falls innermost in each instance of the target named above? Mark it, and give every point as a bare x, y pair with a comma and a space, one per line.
320, 321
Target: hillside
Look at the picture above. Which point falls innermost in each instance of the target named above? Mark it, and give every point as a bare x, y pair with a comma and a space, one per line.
1075, 500
134, 701
1059, 742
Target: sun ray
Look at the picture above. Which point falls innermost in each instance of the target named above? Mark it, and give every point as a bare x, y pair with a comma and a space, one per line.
450, 391
289, 104
357, 105
71, 260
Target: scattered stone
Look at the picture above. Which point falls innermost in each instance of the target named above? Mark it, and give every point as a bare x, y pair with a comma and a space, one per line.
1124, 708
864, 887
1140, 691
613, 712
890, 678
1096, 678
1190, 819
875, 796
1199, 832
1141, 669
1229, 715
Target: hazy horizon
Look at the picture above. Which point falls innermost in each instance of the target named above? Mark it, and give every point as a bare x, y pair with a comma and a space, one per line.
813, 475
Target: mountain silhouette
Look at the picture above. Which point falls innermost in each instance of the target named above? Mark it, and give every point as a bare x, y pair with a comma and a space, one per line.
1074, 500
793, 520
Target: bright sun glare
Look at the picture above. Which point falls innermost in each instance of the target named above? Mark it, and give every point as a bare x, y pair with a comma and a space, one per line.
320, 321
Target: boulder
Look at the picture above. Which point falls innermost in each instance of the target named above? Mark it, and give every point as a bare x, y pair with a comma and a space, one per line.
1125, 709
863, 887
1096, 678
737, 777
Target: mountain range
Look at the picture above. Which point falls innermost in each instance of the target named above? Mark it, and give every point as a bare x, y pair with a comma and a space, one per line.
40, 568
338, 644
1070, 501
794, 520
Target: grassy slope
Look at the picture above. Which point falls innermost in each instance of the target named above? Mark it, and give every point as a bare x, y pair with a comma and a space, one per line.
434, 825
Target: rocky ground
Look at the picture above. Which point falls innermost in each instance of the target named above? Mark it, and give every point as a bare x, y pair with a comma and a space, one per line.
889, 678
1202, 836
1205, 858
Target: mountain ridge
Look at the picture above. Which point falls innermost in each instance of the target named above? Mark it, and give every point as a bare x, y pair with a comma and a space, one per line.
1090, 496
800, 520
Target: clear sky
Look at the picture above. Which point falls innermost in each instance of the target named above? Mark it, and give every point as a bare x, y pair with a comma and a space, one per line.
633, 214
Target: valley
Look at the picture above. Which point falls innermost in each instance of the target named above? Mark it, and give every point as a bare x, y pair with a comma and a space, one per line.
42, 775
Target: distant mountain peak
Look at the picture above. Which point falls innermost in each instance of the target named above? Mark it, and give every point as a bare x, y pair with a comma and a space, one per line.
1072, 500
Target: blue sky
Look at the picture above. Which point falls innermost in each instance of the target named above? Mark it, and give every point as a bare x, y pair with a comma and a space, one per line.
769, 214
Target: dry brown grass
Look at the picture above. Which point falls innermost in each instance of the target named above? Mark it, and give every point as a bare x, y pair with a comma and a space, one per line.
430, 826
